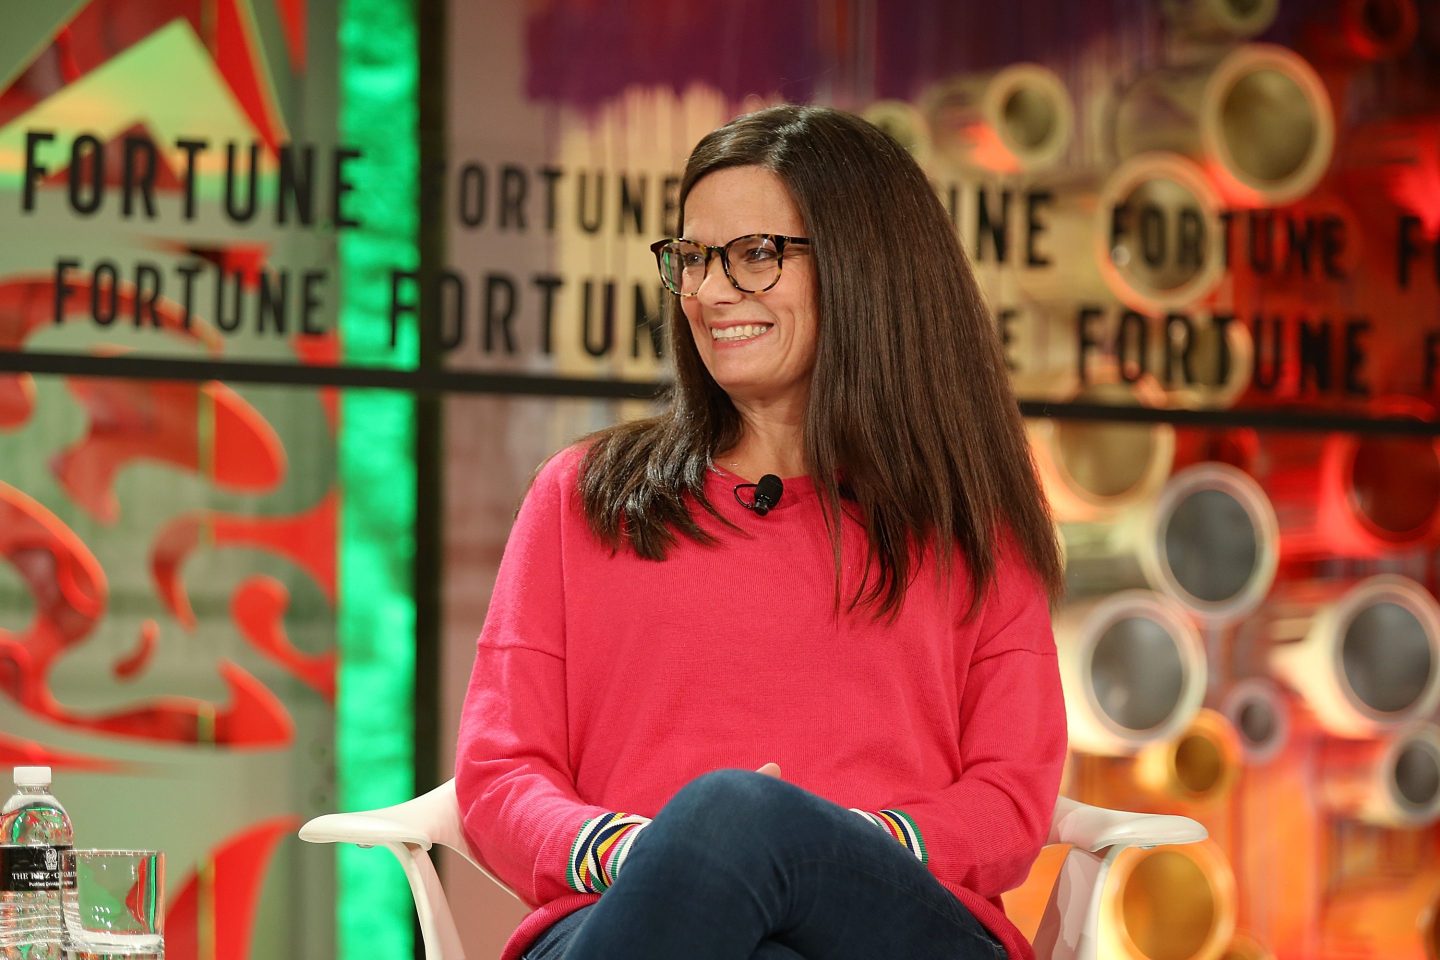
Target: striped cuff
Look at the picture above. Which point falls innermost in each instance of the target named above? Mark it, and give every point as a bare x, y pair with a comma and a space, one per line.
600, 849
901, 827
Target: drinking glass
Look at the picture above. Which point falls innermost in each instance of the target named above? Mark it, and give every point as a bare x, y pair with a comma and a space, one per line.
116, 908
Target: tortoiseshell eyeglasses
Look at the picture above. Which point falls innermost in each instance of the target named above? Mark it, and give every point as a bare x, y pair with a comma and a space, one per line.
752, 263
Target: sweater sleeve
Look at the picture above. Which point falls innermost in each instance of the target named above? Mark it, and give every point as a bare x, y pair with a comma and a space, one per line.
513, 780
984, 831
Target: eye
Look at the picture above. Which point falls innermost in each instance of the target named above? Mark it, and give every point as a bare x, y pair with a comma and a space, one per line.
759, 253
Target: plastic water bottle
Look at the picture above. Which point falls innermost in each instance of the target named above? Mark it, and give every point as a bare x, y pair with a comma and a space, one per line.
35, 833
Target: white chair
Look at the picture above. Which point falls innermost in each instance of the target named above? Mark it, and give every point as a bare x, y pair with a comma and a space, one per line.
1067, 929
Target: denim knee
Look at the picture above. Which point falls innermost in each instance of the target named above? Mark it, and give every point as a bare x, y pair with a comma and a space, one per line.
726, 808
736, 794
734, 821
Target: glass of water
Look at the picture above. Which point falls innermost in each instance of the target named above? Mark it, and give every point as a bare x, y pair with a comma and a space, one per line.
116, 908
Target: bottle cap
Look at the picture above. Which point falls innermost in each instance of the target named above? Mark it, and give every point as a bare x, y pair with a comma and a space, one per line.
32, 776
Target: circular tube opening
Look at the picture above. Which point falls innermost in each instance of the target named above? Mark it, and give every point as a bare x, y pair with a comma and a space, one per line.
1168, 255
1257, 715
1199, 763
1380, 29
1030, 117
1256, 722
1395, 485
1170, 227
1417, 775
1384, 21
1269, 125
1105, 460
1386, 657
1211, 545
1168, 907
1137, 673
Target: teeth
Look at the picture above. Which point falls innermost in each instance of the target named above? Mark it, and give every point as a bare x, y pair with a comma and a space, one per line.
743, 332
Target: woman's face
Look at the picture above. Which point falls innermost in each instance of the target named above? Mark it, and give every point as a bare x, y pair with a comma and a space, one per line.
771, 364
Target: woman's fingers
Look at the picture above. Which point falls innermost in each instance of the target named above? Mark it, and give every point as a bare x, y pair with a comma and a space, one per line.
771, 770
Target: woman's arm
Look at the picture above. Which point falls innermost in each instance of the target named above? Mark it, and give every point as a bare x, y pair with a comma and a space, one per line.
512, 772
985, 830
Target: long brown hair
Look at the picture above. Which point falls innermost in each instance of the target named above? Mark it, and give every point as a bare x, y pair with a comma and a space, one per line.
910, 401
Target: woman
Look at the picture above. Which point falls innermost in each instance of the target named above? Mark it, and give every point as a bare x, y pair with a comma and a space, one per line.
831, 730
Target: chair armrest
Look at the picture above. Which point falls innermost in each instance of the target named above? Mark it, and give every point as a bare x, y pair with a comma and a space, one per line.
1095, 828
365, 829
421, 822
409, 830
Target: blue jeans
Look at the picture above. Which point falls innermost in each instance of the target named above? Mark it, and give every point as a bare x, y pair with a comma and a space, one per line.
742, 866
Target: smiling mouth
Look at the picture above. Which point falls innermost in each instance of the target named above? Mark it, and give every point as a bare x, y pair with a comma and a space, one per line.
743, 331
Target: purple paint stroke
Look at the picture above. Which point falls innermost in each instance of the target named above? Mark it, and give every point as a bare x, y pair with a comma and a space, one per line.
583, 53
920, 42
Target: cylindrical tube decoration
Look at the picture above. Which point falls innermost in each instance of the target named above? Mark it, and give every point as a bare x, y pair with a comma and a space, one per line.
1260, 716
1010, 121
1215, 538
1093, 470
1191, 361
1133, 668
1352, 495
1368, 31
1260, 120
1158, 239
1213, 20
1394, 782
1208, 542
1199, 766
1366, 659
1169, 903
905, 123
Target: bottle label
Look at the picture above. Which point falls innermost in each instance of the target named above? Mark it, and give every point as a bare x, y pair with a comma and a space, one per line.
27, 869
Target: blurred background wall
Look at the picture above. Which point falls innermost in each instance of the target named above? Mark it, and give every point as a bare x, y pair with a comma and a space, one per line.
295, 297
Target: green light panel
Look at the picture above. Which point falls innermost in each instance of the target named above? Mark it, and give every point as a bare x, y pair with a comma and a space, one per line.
379, 90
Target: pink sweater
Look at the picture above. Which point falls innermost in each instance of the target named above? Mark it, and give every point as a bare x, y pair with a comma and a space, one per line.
604, 682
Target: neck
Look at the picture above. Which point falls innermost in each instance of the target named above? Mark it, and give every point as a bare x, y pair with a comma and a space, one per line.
771, 441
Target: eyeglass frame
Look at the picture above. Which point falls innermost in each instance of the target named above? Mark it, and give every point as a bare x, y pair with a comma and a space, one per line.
780, 240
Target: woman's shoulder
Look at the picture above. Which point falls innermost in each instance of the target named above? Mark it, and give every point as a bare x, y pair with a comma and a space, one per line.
560, 472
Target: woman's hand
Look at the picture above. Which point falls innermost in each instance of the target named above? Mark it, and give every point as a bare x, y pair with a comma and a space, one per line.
771, 770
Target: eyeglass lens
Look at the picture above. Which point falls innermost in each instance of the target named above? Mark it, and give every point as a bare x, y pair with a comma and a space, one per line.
754, 264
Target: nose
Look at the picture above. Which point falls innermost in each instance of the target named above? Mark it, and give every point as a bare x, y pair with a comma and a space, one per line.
715, 287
